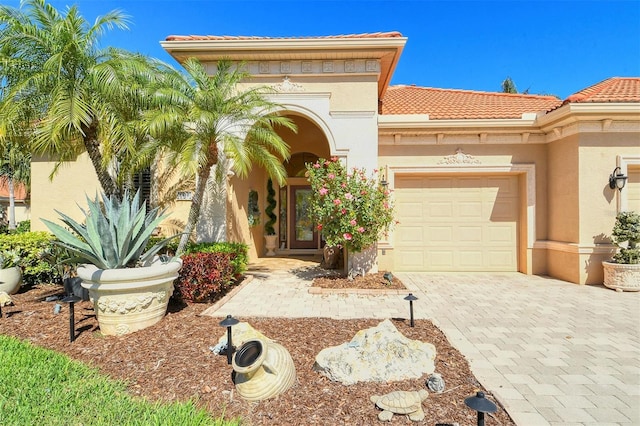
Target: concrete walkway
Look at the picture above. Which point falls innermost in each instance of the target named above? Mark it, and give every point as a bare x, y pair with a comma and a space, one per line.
552, 353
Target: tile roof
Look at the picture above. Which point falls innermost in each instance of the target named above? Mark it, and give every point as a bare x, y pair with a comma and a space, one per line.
390, 34
19, 191
452, 104
615, 89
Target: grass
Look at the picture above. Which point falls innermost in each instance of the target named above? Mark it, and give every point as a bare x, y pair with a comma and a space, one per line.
40, 386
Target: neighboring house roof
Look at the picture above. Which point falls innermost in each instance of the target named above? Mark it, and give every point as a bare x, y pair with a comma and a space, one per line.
19, 191
615, 89
349, 36
452, 104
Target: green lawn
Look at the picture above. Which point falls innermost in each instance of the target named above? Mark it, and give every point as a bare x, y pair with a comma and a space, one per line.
42, 387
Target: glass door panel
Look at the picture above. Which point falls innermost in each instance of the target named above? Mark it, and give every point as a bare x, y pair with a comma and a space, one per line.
303, 233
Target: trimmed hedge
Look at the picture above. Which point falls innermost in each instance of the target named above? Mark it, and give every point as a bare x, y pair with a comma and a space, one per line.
32, 247
239, 253
204, 277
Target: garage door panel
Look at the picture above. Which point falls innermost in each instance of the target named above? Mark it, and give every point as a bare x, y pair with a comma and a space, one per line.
412, 235
470, 234
440, 209
411, 260
466, 223
440, 234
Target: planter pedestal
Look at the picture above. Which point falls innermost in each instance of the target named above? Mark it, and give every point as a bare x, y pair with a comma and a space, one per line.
621, 276
10, 279
271, 242
127, 300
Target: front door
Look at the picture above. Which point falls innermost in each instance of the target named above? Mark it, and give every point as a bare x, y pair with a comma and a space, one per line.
302, 230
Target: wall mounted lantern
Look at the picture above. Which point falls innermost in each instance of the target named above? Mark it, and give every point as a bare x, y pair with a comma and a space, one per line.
617, 179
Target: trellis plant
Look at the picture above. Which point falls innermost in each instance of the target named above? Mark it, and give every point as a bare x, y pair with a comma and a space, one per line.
351, 209
115, 232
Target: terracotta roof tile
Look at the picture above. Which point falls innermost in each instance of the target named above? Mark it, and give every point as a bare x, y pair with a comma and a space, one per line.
389, 34
450, 104
615, 89
19, 191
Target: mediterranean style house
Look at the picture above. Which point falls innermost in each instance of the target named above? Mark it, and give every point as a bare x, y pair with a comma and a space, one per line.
481, 181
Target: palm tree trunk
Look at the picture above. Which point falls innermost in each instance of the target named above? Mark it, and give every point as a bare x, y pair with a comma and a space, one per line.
196, 204
92, 146
12, 204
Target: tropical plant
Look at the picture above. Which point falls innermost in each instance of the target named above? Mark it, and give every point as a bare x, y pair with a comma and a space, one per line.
627, 230
85, 98
9, 258
271, 205
204, 277
224, 123
114, 235
351, 210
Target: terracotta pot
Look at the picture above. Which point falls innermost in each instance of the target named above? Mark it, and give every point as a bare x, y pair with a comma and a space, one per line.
263, 369
10, 279
621, 276
130, 299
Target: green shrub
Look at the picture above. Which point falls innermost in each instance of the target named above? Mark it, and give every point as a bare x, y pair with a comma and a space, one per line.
239, 253
31, 246
204, 277
24, 226
627, 230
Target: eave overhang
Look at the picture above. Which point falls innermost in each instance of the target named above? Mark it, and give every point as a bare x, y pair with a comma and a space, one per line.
386, 50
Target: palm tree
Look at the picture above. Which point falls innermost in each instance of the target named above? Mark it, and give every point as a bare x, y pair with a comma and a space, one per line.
206, 119
15, 167
84, 95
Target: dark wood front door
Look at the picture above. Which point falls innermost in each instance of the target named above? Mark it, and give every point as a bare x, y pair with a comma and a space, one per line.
302, 230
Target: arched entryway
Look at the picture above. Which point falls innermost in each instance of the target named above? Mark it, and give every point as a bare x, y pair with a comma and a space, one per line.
296, 230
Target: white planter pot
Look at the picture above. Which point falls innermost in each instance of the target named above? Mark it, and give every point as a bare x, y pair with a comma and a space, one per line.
271, 242
130, 299
621, 276
363, 262
10, 279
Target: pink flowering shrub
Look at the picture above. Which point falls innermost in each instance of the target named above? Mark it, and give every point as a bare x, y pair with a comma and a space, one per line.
351, 209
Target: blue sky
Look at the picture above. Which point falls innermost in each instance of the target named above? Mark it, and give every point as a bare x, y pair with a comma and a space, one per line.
551, 47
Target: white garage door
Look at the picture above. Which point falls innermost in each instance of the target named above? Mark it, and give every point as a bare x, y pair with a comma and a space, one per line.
453, 223
633, 189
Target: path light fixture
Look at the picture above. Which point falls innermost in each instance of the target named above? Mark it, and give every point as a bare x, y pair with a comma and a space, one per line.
411, 298
482, 405
71, 300
617, 179
389, 277
229, 322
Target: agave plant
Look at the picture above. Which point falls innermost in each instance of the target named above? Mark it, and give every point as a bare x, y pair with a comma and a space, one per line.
115, 232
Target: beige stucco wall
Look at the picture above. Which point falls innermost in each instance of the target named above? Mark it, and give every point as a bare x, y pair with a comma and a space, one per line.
582, 207
68, 189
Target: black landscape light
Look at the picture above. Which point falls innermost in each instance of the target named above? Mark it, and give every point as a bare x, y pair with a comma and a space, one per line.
482, 405
411, 298
229, 322
71, 300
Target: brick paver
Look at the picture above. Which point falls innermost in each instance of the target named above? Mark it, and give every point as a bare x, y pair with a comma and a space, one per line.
552, 352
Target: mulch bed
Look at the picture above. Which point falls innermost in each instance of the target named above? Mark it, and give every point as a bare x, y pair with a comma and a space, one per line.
172, 361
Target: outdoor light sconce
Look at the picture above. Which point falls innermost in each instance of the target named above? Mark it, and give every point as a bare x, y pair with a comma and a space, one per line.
71, 300
411, 298
617, 179
482, 405
229, 322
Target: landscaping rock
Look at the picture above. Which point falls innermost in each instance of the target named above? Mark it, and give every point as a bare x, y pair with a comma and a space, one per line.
377, 354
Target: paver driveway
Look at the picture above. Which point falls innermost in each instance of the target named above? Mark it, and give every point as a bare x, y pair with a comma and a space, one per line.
552, 352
